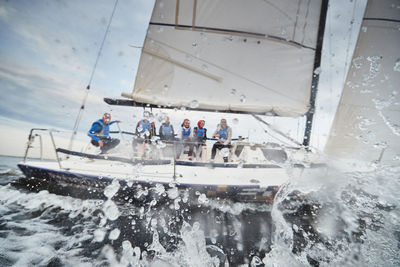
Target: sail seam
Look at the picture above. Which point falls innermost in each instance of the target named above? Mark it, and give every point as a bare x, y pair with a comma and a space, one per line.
297, 17
225, 70
305, 22
273, 37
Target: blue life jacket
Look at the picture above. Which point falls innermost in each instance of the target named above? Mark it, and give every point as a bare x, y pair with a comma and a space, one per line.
200, 132
105, 129
223, 133
166, 129
186, 133
145, 126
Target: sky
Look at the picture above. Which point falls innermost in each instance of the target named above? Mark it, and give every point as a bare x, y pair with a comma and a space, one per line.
47, 52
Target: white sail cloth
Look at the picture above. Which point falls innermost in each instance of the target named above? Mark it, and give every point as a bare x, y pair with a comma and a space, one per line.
251, 56
367, 122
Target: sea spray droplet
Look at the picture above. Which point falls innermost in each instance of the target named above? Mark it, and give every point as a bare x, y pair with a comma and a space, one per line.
112, 189
233, 92
98, 235
203, 199
224, 152
166, 88
114, 234
397, 65
235, 121
173, 193
194, 104
110, 210
242, 98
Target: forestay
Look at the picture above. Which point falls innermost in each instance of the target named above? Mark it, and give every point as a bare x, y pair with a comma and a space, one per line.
248, 56
367, 122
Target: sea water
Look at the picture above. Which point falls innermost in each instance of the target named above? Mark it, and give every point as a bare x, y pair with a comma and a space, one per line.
325, 217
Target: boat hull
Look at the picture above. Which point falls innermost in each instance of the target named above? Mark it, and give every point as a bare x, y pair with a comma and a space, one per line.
83, 185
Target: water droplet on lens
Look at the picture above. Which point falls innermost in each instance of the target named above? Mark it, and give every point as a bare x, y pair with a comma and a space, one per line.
194, 104
224, 152
242, 98
233, 92
397, 65
235, 120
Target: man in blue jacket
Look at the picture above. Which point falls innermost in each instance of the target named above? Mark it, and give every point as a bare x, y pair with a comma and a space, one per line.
100, 134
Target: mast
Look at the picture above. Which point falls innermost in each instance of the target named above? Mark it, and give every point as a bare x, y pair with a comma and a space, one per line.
317, 64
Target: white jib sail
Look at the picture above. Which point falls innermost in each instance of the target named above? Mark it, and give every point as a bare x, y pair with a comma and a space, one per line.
367, 122
251, 56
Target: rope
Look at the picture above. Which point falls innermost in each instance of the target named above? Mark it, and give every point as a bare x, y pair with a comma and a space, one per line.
82, 107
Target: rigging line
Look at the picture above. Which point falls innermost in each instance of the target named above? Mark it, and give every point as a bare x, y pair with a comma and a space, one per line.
382, 19
82, 107
275, 130
276, 138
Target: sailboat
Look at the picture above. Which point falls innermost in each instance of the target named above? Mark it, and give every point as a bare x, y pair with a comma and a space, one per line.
255, 58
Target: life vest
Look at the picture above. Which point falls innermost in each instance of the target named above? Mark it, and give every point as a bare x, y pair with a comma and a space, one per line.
200, 132
186, 133
223, 133
166, 129
105, 129
145, 126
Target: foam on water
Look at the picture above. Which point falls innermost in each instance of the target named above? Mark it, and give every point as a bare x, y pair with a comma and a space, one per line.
323, 216
339, 219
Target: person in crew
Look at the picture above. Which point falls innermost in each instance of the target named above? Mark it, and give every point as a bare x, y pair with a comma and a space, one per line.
166, 131
200, 136
145, 129
224, 135
100, 134
185, 136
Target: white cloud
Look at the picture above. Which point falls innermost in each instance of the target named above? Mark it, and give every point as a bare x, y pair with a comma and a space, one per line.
14, 138
3, 13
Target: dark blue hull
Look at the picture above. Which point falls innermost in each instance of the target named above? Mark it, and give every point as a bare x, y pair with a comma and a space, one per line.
88, 186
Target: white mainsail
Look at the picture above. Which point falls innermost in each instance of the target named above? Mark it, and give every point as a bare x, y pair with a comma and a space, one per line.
367, 122
246, 56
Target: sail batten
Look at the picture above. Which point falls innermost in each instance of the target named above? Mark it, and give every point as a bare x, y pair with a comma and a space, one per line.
227, 55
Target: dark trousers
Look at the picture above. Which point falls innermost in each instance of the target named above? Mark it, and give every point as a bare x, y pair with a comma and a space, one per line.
167, 138
216, 146
180, 146
141, 140
108, 143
